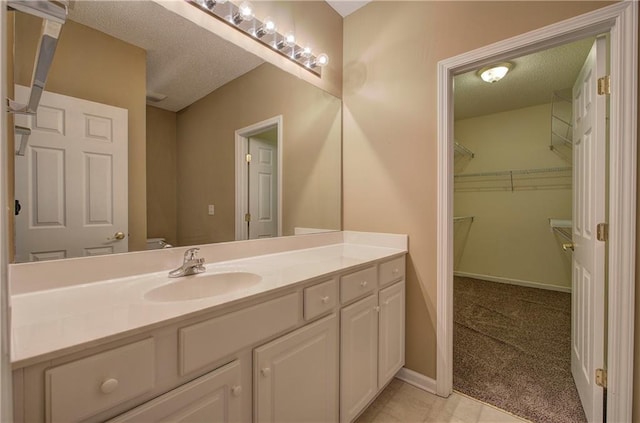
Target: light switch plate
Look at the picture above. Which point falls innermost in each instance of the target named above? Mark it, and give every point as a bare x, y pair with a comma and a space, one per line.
212, 210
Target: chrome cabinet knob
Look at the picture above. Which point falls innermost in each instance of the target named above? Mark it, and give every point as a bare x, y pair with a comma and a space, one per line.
325, 299
236, 390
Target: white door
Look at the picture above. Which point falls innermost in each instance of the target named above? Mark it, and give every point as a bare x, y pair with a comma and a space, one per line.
72, 180
358, 356
263, 189
588, 292
296, 376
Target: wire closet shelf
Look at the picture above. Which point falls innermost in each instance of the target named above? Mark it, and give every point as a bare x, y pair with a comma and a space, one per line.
515, 180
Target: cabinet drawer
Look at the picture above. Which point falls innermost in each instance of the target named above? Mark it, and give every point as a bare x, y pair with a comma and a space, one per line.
93, 384
392, 270
204, 343
319, 299
358, 284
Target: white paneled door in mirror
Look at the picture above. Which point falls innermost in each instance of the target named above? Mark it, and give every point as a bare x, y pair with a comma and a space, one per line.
263, 189
71, 183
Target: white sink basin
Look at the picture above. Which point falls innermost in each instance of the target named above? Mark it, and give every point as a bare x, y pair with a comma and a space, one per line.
203, 286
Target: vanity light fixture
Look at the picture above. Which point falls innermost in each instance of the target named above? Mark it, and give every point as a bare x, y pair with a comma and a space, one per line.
495, 73
242, 18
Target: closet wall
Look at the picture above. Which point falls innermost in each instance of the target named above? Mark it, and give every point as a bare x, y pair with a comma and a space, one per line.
510, 238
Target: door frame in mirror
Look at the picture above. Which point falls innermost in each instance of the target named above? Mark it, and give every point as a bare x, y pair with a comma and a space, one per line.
242, 175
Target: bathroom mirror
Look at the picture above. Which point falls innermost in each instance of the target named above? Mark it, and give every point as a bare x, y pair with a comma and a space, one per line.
183, 151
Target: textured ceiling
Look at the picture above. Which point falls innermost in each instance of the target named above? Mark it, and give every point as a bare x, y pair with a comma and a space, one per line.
532, 81
184, 61
346, 7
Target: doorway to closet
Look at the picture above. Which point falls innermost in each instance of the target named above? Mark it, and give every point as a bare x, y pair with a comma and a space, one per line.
516, 195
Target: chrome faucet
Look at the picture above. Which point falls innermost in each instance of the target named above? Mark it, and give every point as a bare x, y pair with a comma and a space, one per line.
191, 264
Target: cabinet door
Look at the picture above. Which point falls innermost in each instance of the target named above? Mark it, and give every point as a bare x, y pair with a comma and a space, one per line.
358, 356
391, 345
212, 398
296, 375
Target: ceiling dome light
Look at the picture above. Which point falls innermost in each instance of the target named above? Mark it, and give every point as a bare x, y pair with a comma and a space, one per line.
495, 73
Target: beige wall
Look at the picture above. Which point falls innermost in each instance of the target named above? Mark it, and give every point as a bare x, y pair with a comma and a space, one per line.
510, 235
91, 65
206, 151
391, 51
162, 161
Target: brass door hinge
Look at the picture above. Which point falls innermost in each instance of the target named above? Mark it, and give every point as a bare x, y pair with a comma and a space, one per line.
247, 217
604, 85
248, 158
602, 232
601, 378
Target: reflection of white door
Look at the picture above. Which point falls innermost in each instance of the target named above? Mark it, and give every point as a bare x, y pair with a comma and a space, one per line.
263, 189
72, 180
588, 292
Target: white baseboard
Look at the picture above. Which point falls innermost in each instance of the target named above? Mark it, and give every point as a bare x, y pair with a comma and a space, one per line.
417, 379
513, 281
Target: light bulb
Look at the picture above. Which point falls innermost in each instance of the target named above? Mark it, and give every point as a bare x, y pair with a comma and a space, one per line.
245, 13
289, 39
306, 52
322, 60
268, 27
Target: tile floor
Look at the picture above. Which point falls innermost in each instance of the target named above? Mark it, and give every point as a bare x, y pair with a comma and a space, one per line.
401, 402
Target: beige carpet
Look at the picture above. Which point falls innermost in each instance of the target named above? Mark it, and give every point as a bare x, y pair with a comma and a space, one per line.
511, 349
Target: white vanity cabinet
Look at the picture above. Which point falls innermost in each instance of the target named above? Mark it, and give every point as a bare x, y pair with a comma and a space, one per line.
317, 351
371, 339
296, 376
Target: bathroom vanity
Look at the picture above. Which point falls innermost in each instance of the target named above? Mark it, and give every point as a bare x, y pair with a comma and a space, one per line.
315, 337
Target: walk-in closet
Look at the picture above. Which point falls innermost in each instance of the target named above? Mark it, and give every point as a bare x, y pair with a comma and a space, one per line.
514, 210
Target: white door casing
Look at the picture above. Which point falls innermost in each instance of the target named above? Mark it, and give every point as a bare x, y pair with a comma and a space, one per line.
621, 20
263, 189
72, 180
588, 262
